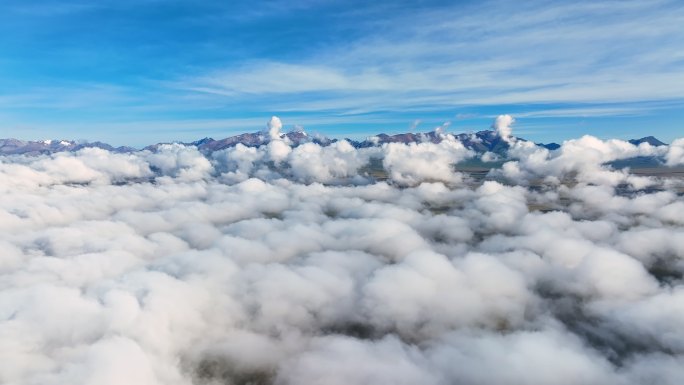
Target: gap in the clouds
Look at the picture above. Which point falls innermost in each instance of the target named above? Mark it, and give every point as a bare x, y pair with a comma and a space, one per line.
618, 346
212, 369
667, 270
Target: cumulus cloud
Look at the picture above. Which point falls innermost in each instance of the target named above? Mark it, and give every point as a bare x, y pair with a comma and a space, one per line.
421, 162
675, 153
313, 264
583, 159
502, 125
274, 126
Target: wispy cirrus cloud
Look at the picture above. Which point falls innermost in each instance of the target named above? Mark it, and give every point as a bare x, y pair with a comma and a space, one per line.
484, 54
166, 61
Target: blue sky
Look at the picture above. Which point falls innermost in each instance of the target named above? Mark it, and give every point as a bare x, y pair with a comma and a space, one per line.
142, 71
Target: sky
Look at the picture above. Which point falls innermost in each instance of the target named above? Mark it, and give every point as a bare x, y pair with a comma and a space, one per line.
139, 72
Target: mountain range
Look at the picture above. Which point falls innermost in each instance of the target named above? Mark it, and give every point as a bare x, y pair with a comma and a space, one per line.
16, 146
479, 142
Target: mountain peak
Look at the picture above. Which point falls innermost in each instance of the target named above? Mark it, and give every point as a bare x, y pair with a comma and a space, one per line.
652, 140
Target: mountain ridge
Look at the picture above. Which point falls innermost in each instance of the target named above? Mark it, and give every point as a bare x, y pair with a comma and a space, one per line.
480, 142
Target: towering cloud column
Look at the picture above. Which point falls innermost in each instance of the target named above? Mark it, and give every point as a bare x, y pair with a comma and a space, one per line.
502, 125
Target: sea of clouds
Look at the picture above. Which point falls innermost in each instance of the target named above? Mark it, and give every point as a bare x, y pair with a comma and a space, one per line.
335, 265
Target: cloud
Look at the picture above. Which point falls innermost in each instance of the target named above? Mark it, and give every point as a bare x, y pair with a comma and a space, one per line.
675, 154
419, 162
310, 264
592, 59
582, 158
274, 127
404, 66
502, 126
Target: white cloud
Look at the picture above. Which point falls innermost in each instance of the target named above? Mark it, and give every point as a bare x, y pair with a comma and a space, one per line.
298, 266
675, 153
502, 126
420, 162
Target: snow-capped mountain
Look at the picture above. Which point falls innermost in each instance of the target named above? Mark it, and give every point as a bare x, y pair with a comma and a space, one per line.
15, 146
480, 142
